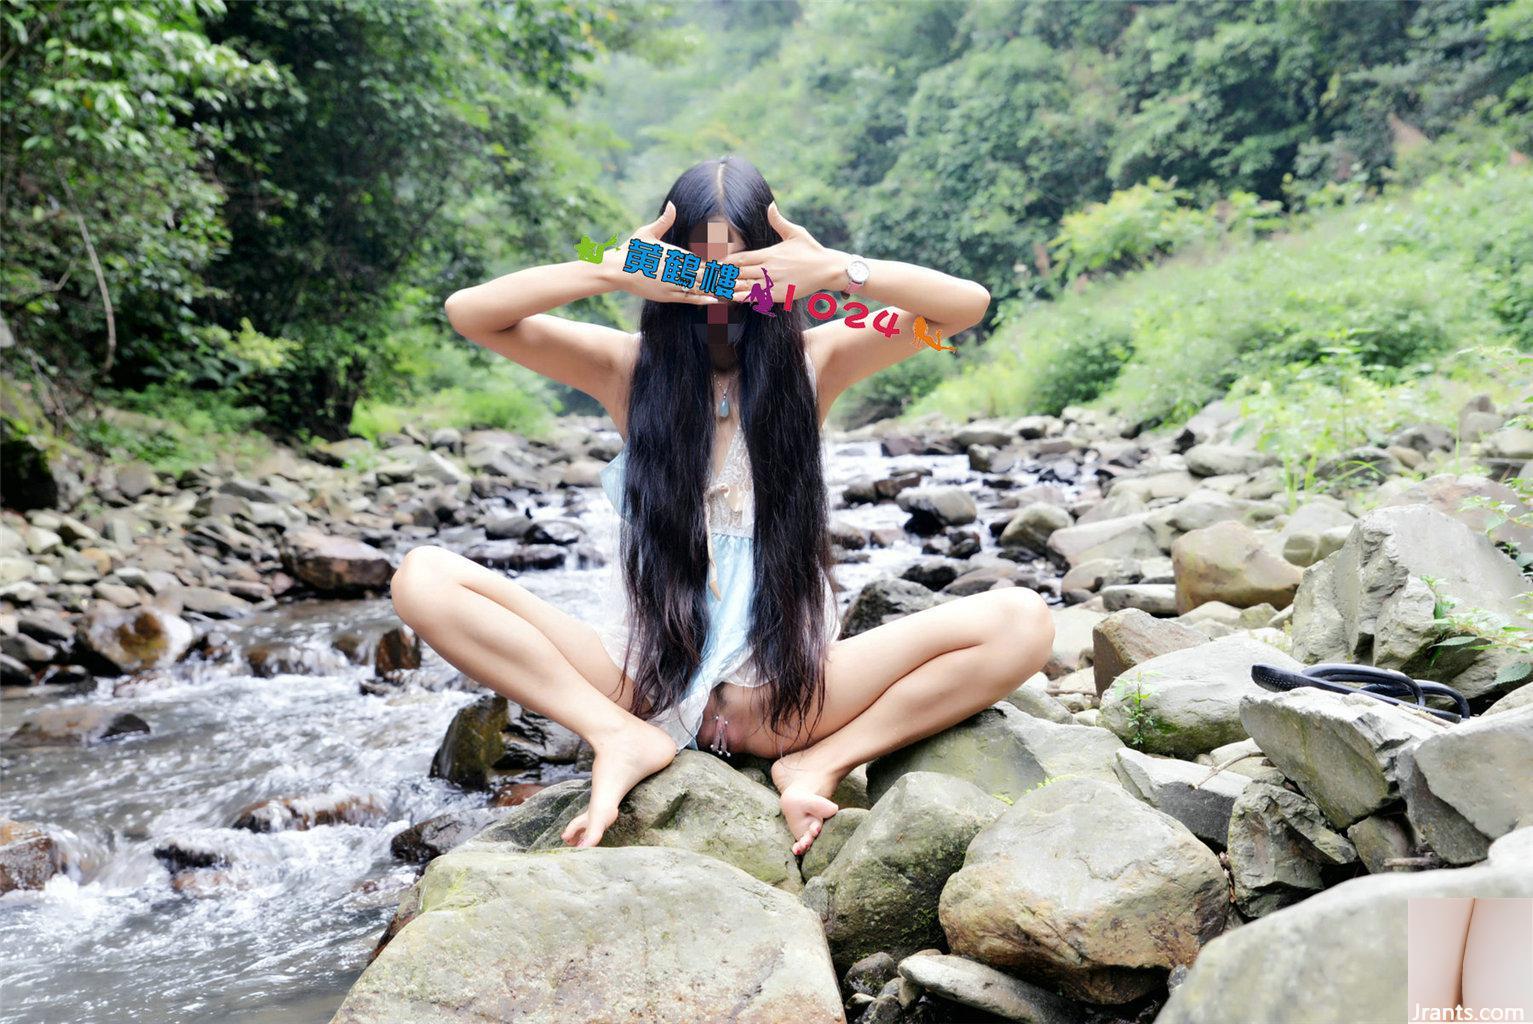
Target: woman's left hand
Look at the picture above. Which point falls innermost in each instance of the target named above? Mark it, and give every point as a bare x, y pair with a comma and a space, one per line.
798, 260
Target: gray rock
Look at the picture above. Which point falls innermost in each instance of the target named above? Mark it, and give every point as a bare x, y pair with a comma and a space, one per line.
1342, 750
1223, 459
334, 564
1339, 955
1450, 495
1187, 702
988, 990
1034, 701
886, 600
1370, 602
833, 836
1003, 751
1471, 783
934, 508
119, 641
1128, 536
1032, 527
1081, 885
1278, 847
880, 893
1073, 639
1191, 793
1379, 837
1228, 562
1153, 598
592, 935
1521, 697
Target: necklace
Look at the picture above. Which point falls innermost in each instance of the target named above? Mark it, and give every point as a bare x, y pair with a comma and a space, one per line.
723, 409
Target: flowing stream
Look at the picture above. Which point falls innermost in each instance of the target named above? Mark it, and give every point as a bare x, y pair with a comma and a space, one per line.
282, 933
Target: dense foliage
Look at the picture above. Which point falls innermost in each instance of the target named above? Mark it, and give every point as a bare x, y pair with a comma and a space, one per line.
254, 209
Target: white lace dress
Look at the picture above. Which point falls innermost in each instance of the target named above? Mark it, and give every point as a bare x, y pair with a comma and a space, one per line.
730, 513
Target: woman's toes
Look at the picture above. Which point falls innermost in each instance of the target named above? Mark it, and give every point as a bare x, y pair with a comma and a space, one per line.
572, 831
596, 827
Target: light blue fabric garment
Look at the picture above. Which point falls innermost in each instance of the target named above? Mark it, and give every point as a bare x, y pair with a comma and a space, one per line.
727, 647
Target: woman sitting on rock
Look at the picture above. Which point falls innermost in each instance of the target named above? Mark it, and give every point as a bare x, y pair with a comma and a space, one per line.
722, 629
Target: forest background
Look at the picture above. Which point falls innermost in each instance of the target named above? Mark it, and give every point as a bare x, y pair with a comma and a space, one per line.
231, 223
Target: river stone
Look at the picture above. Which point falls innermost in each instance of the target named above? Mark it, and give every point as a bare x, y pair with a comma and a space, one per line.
1153, 598
1081, 885
334, 564
1188, 701
932, 509
83, 725
1183, 790
880, 892
1003, 751
29, 855
1071, 649
1128, 536
1223, 460
1339, 955
1032, 527
697, 802
1228, 562
1341, 750
1519, 698
435, 836
988, 990
886, 600
1131, 636
1277, 847
641, 934
1369, 601
1483, 768
120, 641
1379, 837
1033, 700
838, 828
1448, 494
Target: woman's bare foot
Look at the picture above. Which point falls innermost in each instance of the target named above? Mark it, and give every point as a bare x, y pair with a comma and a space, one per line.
622, 762
804, 791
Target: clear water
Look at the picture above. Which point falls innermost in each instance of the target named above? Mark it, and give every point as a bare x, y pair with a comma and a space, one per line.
284, 931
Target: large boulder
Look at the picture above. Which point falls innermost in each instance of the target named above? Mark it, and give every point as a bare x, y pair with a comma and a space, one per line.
569, 936
880, 892
1339, 955
1342, 750
1452, 496
697, 802
334, 565
1187, 702
1003, 751
1370, 602
1228, 562
1079, 884
1473, 782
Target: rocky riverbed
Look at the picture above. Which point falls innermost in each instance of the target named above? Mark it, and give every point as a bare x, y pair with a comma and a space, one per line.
238, 788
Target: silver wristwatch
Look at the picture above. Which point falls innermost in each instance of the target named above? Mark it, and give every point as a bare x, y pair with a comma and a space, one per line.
856, 274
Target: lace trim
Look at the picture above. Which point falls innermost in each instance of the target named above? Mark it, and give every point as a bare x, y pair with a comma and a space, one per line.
730, 502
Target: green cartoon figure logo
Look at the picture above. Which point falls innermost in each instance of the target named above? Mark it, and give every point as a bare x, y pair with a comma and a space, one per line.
591, 251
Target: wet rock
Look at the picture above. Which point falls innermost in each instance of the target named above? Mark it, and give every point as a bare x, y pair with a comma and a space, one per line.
1129, 637
117, 641
1370, 601
1003, 751
79, 725
933, 509
267, 660
880, 893
1081, 885
871, 973
332, 564
988, 990
1342, 750
1228, 562
885, 600
398, 649
29, 855
1187, 702
297, 813
492, 932
1352, 937
435, 836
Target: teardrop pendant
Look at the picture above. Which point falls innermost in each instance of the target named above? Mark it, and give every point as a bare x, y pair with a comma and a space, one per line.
724, 407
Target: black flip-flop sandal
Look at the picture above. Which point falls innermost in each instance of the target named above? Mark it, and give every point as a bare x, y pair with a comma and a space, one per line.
1379, 683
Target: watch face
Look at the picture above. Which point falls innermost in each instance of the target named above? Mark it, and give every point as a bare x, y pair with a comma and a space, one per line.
857, 271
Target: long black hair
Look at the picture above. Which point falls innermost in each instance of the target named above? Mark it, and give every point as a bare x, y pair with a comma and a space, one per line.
664, 542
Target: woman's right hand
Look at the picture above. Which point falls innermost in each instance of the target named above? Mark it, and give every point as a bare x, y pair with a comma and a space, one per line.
656, 289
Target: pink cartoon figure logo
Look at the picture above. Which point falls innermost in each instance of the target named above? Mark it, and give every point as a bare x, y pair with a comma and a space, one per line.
760, 297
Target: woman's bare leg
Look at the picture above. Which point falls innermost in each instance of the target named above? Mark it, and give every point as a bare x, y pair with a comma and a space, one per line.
506, 638
903, 681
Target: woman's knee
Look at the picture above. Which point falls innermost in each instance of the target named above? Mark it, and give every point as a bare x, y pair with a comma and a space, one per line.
416, 586
1024, 623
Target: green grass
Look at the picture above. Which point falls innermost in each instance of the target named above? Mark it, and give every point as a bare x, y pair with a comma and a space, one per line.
1398, 284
